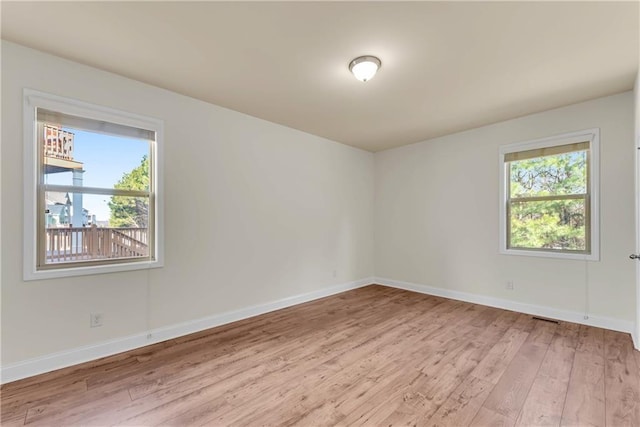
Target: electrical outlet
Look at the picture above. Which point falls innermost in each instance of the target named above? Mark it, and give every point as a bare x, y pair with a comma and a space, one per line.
95, 319
509, 285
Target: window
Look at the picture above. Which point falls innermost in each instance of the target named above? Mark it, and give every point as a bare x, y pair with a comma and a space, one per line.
92, 189
549, 198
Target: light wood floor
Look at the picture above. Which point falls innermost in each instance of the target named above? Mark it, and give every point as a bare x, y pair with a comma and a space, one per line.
375, 356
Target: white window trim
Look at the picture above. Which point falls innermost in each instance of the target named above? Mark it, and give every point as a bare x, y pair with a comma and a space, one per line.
33, 99
591, 135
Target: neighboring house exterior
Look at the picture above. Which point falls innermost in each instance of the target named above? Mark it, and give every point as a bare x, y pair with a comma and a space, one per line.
59, 211
58, 157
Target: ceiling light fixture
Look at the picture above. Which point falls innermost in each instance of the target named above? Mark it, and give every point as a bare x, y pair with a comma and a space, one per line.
364, 67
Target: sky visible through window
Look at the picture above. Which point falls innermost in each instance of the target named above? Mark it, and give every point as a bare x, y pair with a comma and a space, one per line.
106, 159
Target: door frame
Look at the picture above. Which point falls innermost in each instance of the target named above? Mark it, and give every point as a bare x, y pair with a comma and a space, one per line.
636, 332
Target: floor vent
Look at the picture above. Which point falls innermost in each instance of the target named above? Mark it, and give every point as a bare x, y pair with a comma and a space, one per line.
546, 320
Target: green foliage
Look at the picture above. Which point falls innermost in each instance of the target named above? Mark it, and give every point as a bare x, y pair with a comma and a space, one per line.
550, 175
549, 223
131, 211
557, 224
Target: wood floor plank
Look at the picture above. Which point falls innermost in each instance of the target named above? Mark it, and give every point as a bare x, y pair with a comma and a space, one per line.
102, 403
442, 379
371, 356
17, 404
585, 401
230, 359
398, 380
340, 383
525, 322
492, 367
462, 405
488, 418
439, 374
245, 385
243, 381
13, 421
545, 401
508, 396
622, 381
348, 395
464, 402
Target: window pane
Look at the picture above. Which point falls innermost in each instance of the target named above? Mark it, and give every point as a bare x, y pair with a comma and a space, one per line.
554, 224
102, 227
91, 159
551, 175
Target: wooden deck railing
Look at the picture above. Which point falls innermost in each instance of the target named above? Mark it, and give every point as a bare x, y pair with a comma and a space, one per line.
88, 243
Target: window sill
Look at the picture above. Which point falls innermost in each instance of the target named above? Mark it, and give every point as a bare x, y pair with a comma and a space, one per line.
90, 270
556, 255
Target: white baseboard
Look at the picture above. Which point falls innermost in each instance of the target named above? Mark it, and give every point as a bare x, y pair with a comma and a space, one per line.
636, 339
536, 310
51, 362
63, 359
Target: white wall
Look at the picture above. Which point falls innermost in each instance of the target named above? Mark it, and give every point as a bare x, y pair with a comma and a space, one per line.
436, 216
272, 212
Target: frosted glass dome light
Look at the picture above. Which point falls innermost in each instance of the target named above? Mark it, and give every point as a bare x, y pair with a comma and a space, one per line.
364, 67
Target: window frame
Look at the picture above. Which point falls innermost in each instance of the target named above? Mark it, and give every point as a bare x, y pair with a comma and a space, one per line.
592, 137
34, 188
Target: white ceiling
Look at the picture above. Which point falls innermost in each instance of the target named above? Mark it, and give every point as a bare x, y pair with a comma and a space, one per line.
446, 66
